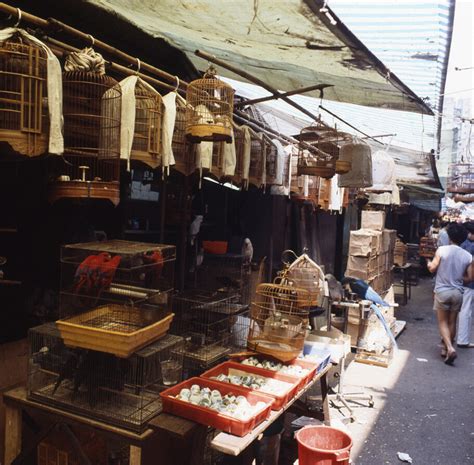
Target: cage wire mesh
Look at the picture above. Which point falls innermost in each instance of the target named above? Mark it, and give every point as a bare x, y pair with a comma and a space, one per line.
257, 160
98, 385
279, 320
461, 178
24, 120
208, 322
146, 146
183, 151
209, 111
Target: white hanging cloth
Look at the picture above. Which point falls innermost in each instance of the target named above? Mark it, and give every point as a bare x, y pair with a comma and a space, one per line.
230, 157
246, 154
54, 85
383, 171
336, 194
279, 162
169, 121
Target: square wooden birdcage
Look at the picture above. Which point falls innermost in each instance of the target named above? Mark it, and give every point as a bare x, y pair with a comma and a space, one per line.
92, 115
24, 119
209, 111
279, 321
257, 159
146, 146
461, 178
183, 150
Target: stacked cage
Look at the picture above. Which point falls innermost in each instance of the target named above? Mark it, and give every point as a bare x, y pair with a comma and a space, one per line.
211, 323
279, 321
92, 115
104, 357
24, 120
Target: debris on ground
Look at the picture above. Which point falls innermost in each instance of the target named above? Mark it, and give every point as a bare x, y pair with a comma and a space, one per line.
404, 457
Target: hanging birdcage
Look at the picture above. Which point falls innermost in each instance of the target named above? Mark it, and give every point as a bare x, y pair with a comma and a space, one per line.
242, 152
278, 321
304, 273
92, 114
209, 111
257, 159
312, 159
271, 162
146, 145
383, 172
360, 156
461, 178
183, 151
24, 120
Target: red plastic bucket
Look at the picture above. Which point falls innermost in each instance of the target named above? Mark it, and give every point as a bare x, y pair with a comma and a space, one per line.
322, 445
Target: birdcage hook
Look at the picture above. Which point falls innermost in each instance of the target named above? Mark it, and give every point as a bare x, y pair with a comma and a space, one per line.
284, 255
18, 21
177, 84
138, 66
91, 39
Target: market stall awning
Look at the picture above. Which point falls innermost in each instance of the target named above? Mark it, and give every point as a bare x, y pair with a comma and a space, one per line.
289, 44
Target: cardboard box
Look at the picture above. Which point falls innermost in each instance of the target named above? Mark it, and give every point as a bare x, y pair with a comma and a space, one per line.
365, 242
373, 220
362, 267
389, 237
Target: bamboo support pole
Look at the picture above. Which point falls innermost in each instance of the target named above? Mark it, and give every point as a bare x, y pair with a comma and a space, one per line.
52, 25
303, 90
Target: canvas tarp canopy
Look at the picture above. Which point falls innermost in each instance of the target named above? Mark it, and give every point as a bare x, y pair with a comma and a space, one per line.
288, 44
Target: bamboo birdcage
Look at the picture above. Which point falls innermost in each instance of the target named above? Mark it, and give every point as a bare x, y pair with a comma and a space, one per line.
24, 119
312, 159
146, 145
183, 151
271, 162
241, 171
360, 155
92, 115
278, 321
257, 159
461, 178
209, 110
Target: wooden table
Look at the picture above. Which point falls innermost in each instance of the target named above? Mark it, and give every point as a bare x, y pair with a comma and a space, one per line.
16, 404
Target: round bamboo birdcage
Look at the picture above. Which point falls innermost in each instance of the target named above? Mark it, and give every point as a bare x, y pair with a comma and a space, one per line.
359, 154
312, 159
278, 320
209, 110
461, 178
257, 159
92, 114
24, 119
183, 151
146, 146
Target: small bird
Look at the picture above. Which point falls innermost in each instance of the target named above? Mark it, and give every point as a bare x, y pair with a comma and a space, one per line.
336, 291
247, 251
366, 292
194, 228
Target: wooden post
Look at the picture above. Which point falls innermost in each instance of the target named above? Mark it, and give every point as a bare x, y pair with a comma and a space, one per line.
12, 433
135, 455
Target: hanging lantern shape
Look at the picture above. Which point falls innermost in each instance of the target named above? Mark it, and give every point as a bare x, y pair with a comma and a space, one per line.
209, 111
183, 151
257, 175
92, 111
148, 125
461, 178
360, 156
312, 160
24, 120
242, 140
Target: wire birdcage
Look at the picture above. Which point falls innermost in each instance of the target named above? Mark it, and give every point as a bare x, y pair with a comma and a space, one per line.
24, 120
146, 145
92, 115
209, 111
461, 178
279, 321
257, 159
313, 160
183, 151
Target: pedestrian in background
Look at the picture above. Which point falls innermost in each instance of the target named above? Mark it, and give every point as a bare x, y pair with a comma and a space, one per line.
465, 315
451, 264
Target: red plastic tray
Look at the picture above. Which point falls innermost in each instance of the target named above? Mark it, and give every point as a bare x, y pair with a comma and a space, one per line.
209, 417
311, 366
280, 401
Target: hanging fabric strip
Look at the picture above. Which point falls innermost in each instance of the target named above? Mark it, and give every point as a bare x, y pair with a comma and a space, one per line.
169, 121
128, 113
55, 90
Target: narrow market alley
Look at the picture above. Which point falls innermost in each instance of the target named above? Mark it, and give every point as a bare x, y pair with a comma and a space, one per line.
422, 407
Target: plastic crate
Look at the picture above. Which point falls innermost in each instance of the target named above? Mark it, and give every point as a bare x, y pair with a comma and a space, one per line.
230, 368
208, 417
